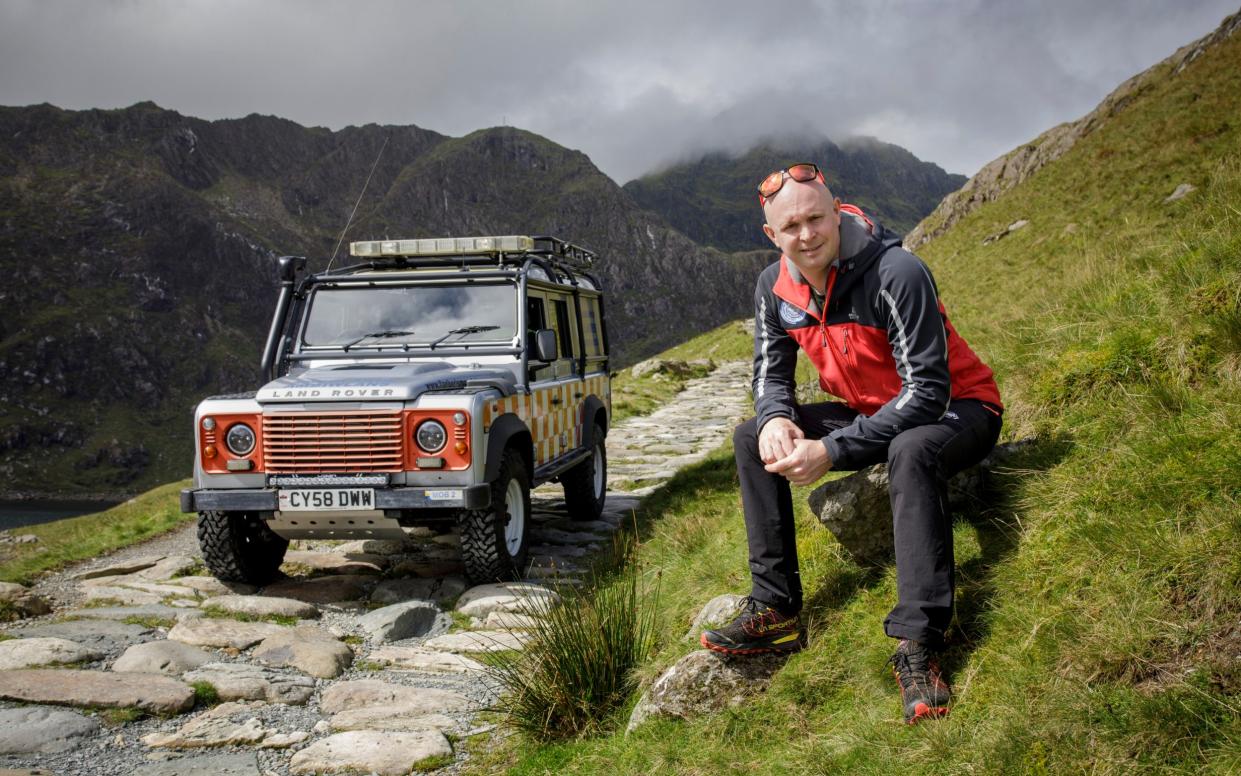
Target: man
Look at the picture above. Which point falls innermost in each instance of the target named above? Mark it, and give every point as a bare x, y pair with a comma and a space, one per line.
867, 314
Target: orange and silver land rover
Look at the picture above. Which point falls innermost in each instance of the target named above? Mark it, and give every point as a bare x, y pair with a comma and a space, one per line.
430, 382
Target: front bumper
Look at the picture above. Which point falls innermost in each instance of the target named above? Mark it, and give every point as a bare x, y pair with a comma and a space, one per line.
265, 499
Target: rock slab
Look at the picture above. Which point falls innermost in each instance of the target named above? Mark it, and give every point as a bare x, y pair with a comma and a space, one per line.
306, 648
514, 597
28, 653
241, 681
39, 730
170, 658
149, 692
370, 751
344, 696
221, 632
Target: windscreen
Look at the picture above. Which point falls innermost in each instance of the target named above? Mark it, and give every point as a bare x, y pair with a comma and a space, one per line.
385, 315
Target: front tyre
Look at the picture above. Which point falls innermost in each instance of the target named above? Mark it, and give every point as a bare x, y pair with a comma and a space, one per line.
494, 541
586, 485
239, 547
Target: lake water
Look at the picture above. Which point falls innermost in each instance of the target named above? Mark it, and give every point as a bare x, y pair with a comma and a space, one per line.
15, 514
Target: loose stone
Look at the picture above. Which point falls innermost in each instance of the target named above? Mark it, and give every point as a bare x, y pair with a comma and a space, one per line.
148, 692
717, 611
40, 730
263, 606
516, 597
306, 648
284, 740
702, 683
28, 653
221, 632
171, 658
380, 752
241, 681
404, 620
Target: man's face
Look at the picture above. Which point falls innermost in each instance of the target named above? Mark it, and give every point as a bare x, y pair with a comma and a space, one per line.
803, 220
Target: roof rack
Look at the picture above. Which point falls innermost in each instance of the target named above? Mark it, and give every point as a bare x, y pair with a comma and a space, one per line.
440, 251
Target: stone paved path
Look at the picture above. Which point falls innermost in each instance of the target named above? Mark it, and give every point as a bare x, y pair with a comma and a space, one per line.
354, 663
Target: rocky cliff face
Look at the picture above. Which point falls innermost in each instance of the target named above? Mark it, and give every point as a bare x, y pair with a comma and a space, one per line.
139, 249
712, 199
1002, 174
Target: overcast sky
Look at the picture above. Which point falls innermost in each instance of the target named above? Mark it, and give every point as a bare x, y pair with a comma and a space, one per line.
633, 83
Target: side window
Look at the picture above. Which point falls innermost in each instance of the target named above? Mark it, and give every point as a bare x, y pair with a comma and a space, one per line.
564, 328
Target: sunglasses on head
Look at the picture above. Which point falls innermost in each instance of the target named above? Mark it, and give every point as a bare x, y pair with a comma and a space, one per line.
803, 172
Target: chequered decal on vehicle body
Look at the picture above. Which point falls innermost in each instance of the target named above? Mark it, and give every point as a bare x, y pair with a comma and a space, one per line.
555, 427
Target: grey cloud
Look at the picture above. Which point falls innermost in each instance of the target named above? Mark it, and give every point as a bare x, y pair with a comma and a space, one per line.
634, 84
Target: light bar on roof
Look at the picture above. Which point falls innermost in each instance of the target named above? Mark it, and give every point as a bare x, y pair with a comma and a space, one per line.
441, 246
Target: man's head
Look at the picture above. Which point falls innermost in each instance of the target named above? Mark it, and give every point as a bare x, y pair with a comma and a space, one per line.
803, 221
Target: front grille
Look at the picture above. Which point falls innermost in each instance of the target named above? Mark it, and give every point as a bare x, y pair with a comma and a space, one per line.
338, 442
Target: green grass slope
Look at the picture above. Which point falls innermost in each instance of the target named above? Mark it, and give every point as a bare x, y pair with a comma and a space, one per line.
1099, 598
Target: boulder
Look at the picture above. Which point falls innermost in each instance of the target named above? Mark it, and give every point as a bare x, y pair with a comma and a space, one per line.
28, 653
149, 692
263, 606
219, 632
241, 681
40, 730
404, 620
858, 512
371, 751
704, 682
306, 648
717, 611
170, 658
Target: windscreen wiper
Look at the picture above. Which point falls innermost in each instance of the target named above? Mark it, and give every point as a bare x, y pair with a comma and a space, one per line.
376, 334
463, 330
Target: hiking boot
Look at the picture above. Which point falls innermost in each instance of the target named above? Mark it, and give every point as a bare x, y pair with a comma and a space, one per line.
923, 691
758, 628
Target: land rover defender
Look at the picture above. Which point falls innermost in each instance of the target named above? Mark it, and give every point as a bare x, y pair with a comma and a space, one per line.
432, 382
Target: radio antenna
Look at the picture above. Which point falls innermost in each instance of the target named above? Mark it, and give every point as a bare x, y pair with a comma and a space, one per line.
359, 202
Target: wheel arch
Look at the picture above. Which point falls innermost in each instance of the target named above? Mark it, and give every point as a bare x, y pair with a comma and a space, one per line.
508, 431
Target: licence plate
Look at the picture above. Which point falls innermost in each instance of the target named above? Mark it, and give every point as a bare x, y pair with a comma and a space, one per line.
326, 499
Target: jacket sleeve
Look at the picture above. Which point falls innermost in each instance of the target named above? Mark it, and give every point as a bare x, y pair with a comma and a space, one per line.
908, 301
775, 361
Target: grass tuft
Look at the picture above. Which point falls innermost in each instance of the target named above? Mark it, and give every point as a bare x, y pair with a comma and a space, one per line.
205, 694
579, 668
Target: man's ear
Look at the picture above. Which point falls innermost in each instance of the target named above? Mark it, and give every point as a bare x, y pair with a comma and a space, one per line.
771, 234
836, 205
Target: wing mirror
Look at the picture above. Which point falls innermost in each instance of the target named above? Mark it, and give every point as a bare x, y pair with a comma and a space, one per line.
545, 345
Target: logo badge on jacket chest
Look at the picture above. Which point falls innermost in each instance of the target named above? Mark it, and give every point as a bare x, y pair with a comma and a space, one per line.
790, 314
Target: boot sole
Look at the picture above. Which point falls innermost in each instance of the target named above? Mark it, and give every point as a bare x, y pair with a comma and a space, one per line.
795, 646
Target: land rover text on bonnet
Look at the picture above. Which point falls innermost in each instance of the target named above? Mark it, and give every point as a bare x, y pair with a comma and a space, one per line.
432, 382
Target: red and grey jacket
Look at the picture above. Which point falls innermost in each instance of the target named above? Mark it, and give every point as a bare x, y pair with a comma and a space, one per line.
884, 343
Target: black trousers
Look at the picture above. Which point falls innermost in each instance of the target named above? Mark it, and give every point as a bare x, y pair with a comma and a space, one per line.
920, 462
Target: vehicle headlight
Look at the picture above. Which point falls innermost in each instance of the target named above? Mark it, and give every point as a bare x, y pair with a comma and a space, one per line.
240, 439
431, 436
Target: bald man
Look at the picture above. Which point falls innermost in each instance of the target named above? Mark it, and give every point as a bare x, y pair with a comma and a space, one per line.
915, 397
